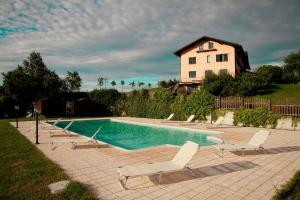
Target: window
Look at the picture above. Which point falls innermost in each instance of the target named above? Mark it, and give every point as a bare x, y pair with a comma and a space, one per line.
201, 47
223, 71
222, 57
210, 45
192, 60
207, 72
192, 74
208, 59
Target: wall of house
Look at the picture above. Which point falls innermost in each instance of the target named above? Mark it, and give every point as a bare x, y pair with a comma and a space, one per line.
201, 61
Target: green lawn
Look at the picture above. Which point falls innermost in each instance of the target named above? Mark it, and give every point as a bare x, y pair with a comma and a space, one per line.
25, 172
282, 93
291, 190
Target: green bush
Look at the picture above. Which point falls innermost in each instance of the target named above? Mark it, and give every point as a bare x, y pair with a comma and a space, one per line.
249, 84
76, 190
108, 98
291, 190
255, 117
159, 104
200, 104
177, 108
137, 105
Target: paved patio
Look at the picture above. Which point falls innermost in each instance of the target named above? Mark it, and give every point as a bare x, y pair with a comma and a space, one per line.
253, 176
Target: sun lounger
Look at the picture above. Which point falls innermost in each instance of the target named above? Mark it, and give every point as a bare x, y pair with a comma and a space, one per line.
181, 161
255, 143
61, 132
169, 118
92, 141
46, 126
82, 142
189, 120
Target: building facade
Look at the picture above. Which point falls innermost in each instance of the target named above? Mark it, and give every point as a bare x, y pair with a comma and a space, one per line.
211, 55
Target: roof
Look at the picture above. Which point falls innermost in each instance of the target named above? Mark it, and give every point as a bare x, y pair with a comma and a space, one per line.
178, 52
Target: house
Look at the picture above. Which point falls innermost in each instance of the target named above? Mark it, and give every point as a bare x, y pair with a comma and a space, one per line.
206, 55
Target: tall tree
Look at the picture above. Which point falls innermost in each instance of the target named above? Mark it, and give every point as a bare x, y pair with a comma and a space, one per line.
149, 85
100, 82
105, 81
73, 81
291, 67
140, 84
132, 84
113, 84
31, 80
122, 84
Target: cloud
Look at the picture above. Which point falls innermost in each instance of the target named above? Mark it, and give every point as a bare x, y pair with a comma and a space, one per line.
129, 39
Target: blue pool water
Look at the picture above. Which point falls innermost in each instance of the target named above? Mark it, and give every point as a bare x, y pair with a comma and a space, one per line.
135, 136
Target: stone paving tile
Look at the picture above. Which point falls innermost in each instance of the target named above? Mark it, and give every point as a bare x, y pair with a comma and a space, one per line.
216, 178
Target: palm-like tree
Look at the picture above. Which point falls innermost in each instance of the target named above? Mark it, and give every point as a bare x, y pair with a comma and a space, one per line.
113, 84
132, 84
149, 85
140, 84
122, 84
73, 81
105, 81
100, 81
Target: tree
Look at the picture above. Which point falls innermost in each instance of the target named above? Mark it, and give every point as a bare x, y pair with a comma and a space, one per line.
113, 84
122, 84
270, 73
162, 84
248, 84
73, 81
32, 80
132, 84
105, 81
100, 82
140, 84
149, 85
291, 67
200, 104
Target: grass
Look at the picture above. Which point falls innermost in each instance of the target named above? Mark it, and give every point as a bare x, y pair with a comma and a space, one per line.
280, 93
291, 190
25, 172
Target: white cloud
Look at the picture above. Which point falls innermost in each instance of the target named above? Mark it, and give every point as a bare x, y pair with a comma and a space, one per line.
134, 38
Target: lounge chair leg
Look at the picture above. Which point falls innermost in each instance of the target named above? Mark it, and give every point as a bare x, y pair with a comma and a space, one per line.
123, 180
159, 178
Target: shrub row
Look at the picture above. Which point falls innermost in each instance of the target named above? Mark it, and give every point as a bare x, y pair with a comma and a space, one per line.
164, 102
255, 117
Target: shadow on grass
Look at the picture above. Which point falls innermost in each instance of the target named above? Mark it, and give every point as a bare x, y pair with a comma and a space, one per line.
202, 172
268, 151
269, 90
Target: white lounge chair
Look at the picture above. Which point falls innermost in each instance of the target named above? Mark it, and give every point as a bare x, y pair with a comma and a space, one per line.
255, 143
91, 141
189, 120
181, 161
80, 142
61, 132
170, 117
46, 126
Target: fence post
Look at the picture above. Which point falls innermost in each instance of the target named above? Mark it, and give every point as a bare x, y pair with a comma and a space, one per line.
270, 105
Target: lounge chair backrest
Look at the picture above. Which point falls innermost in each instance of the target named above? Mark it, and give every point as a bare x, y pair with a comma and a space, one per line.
68, 125
190, 118
219, 120
185, 154
259, 138
56, 122
171, 116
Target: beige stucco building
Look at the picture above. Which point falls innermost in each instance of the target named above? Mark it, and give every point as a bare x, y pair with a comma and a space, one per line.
209, 54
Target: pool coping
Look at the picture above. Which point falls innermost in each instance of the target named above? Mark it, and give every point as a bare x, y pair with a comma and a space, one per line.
215, 139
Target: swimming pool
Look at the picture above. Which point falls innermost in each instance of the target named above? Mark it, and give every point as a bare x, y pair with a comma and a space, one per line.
132, 136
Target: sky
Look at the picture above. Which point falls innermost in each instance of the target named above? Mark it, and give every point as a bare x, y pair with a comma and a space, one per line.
135, 40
